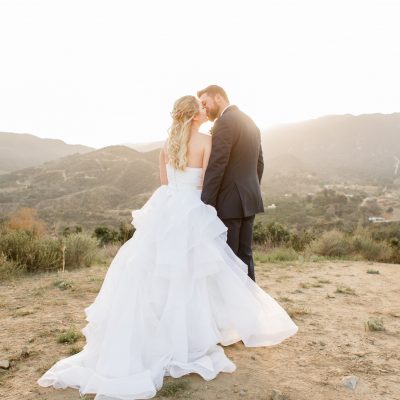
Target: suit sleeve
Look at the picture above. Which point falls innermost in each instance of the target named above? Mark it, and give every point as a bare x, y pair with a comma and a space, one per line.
260, 164
221, 149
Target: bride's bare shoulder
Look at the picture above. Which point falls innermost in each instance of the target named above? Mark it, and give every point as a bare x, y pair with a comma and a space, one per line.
204, 137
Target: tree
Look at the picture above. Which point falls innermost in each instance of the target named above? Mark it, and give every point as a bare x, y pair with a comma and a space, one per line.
26, 219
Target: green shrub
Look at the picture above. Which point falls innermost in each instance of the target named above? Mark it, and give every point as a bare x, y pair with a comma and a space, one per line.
385, 231
373, 271
105, 235
300, 240
370, 249
47, 255
173, 388
260, 234
70, 336
273, 234
21, 251
374, 324
29, 252
80, 250
332, 244
9, 269
17, 245
126, 231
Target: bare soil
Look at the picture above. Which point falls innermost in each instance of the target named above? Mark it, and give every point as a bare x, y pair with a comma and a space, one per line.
329, 301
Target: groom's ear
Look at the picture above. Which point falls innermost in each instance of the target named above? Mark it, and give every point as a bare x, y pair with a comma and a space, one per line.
218, 98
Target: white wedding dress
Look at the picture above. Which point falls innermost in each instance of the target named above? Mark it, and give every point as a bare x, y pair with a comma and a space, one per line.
171, 294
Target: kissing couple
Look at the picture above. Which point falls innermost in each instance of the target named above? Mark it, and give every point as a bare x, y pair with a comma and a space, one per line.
184, 285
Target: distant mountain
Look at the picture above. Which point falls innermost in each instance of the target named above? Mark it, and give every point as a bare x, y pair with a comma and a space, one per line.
143, 147
102, 186
19, 151
337, 148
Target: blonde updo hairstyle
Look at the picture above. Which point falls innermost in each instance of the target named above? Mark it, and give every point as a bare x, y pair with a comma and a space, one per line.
185, 109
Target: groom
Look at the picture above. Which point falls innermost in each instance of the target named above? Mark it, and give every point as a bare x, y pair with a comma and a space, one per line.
232, 179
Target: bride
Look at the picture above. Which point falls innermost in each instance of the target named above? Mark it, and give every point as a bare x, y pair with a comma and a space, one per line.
174, 291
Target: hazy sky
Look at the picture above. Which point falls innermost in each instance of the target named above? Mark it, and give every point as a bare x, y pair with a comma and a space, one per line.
107, 72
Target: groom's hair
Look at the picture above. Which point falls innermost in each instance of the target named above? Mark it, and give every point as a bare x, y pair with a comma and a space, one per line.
213, 90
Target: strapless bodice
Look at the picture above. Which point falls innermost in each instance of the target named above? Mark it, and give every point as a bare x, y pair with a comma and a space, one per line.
190, 178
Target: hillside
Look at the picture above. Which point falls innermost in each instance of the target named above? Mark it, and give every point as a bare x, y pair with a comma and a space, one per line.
144, 146
356, 154
102, 186
18, 151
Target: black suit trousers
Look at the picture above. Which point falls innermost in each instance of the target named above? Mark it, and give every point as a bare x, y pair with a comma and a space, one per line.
240, 238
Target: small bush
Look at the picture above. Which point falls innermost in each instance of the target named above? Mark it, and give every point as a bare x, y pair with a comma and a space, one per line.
373, 271
17, 245
63, 284
9, 269
332, 244
80, 250
70, 336
173, 388
105, 235
47, 255
23, 251
273, 234
126, 231
260, 234
371, 249
30, 253
374, 324
300, 240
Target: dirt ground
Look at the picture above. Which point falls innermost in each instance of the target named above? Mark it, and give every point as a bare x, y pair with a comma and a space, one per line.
329, 301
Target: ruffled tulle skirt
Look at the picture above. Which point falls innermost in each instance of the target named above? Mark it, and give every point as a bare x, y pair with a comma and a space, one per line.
171, 294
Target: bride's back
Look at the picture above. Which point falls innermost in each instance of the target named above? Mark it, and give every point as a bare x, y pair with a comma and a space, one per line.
197, 146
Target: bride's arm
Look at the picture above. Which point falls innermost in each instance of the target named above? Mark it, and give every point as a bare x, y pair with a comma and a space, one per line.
162, 168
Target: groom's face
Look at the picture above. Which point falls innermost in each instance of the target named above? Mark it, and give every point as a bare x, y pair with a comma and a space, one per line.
210, 105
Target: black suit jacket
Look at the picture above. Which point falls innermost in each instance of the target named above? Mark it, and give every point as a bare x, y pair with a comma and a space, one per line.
232, 179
